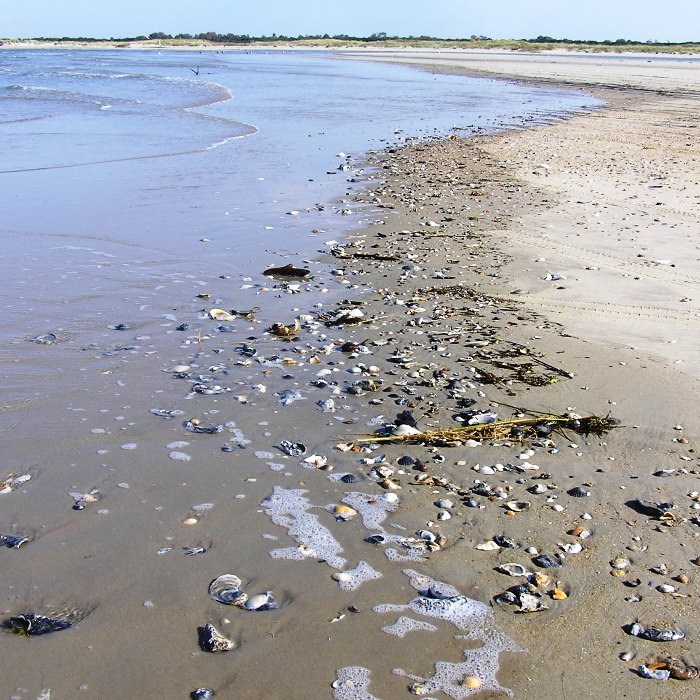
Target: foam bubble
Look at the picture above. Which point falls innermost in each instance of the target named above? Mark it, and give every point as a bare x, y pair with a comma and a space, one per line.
351, 579
288, 508
352, 684
404, 625
441, 601
180, 456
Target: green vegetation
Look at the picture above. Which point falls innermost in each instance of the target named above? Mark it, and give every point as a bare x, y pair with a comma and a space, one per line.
379, 39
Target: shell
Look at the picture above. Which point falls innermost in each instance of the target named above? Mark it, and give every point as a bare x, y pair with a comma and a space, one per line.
489, 546
620, 563
226, 589
261, 601
444, 503
211, 640
655, 634
13, 541
540, 580
202, 694
517, 506
513, 569
221, 315
579, 492
31, 625
682, 671
404, 430
558, 594
342, 512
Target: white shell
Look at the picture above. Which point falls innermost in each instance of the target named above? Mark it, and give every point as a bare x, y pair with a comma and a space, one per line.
405, 429
489, 546
513, 569
226, 589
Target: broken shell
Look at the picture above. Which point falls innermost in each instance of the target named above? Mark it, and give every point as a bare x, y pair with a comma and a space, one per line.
540, 579
489, 546
472, 682
444, 515
226, 589
558, 594
665, 588
211, 640
31, 625
620, 563
655, 634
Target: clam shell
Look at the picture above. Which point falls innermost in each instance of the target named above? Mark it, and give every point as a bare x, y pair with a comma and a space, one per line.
342, 512
518, 506
221, 315
226, 589
261, 601
513, 569
579, 492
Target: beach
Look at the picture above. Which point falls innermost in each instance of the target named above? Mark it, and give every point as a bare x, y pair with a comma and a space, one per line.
548, 272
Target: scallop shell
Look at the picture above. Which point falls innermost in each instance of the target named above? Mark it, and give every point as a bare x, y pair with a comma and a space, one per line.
226, 589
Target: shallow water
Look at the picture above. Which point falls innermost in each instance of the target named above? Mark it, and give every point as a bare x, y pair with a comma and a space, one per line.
115, 167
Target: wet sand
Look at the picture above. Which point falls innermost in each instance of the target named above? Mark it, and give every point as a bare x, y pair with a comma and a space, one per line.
478, 213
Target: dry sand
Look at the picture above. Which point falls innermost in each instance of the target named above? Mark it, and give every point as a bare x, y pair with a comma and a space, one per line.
477, 213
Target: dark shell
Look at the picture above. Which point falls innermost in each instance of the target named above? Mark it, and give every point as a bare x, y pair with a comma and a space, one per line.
287, 272
13, 541
31, 625
293, 449
122, 327
183, 327
212, 641
543, 430
375, 539
505, 543
202, 694
405, 461
349, 479
579, 492
204, 430
544, 561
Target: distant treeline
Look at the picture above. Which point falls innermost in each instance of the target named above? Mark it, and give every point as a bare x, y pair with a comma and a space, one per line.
216, 38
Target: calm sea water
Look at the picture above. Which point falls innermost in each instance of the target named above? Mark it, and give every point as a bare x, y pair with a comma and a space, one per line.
115, 164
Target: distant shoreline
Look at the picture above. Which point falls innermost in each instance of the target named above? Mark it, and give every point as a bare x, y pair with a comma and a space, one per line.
496, 46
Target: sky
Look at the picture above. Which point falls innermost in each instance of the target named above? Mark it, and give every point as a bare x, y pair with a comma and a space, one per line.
657, 20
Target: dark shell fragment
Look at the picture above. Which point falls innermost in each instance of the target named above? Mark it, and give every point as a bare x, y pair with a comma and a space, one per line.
13, 541
31, 625
287, 272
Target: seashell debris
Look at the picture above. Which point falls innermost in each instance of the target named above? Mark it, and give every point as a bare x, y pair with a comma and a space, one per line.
211, 640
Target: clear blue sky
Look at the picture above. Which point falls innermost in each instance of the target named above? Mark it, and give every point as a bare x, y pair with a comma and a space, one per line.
659, 20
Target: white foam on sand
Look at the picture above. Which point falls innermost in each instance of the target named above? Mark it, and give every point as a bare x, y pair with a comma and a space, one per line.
352, 683
288, 508
441, 601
